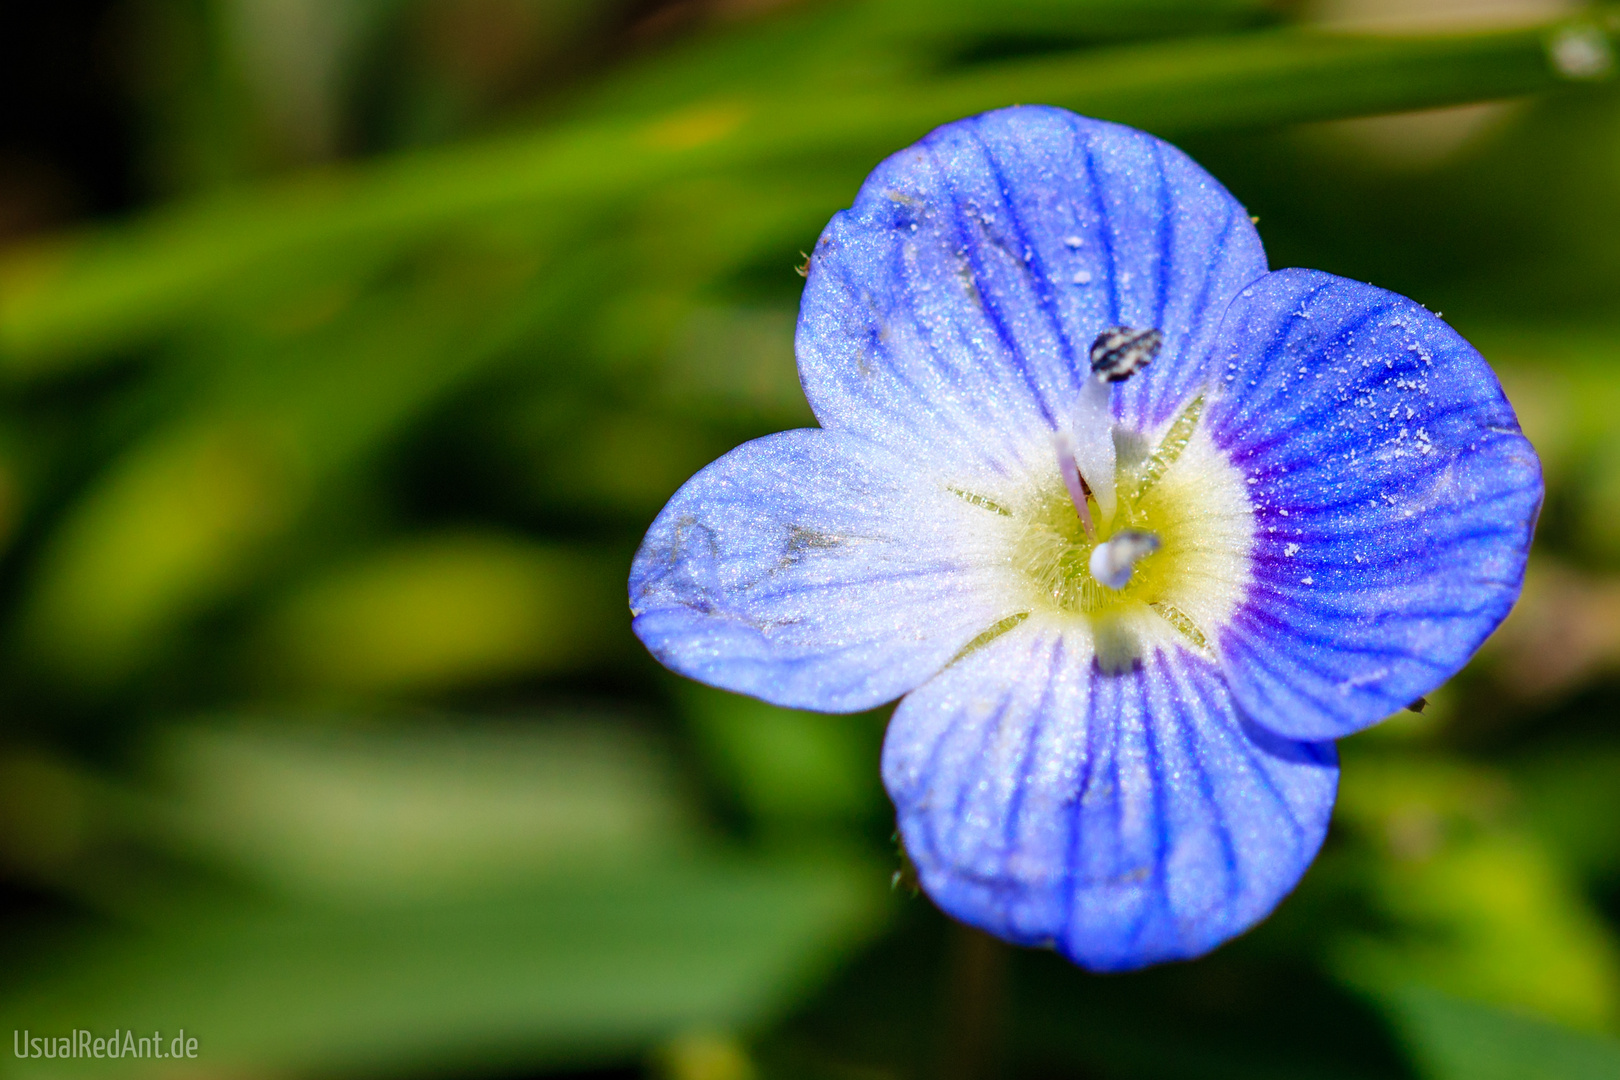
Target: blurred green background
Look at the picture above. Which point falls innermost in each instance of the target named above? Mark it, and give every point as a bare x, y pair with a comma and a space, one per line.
347, 347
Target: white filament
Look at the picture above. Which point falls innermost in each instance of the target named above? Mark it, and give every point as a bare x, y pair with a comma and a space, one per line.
1093, 440
1071, 480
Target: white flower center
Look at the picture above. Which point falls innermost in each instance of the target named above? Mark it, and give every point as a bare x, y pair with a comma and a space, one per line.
1135, 541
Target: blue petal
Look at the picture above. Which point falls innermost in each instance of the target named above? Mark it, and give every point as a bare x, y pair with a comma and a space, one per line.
1124, 819
1394, 500
952, 308
816, 570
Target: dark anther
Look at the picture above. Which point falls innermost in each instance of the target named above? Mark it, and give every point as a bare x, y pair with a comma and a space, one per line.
1419, 705
1121, 351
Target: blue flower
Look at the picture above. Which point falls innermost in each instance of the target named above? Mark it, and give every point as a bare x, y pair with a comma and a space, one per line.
1136, 527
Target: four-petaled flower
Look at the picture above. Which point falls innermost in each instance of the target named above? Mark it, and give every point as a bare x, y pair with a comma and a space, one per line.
1136, 527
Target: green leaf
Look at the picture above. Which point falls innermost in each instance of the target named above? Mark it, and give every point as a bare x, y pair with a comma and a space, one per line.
1452, 1039
94, 292
578, 968
327, 808
441, 611
1472, 901
786, 764
420, 896
194, 508
1572, 795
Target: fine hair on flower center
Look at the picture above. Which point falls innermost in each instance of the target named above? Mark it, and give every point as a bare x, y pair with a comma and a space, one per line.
1053, 551
1175, 487
1143, 539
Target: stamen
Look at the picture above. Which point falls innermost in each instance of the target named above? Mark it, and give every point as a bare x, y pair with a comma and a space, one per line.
1113, 561
1118, 353
1093, 445
1071, 480
1121, 351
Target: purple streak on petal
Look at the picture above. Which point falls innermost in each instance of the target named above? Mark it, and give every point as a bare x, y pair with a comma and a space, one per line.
943, 314
813, 569
1124, 819
1394, 500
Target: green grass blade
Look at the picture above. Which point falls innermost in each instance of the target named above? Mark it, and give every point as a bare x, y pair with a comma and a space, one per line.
106, 289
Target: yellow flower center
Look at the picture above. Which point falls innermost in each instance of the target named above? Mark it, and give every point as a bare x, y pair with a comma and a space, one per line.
1182, 491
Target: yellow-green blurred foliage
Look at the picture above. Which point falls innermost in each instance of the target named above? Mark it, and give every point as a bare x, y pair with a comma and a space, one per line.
324, 735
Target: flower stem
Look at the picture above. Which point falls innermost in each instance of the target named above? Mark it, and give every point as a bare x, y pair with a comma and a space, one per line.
976, 1006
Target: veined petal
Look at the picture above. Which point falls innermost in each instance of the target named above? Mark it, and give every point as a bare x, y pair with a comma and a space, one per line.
817, 570
1394, 500
1124, 819
950, 310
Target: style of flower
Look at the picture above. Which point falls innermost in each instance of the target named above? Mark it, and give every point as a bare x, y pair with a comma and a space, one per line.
1136, 527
